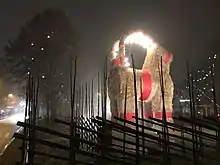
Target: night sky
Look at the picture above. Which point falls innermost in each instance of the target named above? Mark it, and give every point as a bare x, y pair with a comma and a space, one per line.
184, 27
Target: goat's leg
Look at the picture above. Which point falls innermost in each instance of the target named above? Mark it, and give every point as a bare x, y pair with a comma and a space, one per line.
168, 96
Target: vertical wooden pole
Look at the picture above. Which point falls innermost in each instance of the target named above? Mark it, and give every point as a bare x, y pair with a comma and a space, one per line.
191, 113
136, 112
72, 125
98, 95
92, 102
164, 118
142, 117
125, 111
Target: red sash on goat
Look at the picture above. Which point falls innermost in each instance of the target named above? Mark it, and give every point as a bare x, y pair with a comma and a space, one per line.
146, 85
118, 61
158, 115
167, 58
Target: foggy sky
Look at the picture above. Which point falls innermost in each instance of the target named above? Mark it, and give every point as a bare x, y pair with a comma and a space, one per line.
184, 27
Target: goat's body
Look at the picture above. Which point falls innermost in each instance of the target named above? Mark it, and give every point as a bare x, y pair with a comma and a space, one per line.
150, 76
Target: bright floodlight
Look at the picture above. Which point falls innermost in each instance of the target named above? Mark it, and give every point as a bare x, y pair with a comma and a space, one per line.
184, 100
141, 39
16, 117
138, 38
10, 95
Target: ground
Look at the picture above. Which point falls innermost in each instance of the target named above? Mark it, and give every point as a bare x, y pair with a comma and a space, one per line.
12, 154
8, 127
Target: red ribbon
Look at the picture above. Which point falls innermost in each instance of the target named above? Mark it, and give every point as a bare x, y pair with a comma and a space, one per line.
146, 85
167, 57
122, 57
148, 114
116, 62
157, 115
128, 116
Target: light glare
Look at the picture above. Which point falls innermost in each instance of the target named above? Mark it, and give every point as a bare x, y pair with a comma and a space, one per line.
10, 95
138, 38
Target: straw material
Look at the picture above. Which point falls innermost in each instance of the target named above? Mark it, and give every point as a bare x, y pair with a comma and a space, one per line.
119, 75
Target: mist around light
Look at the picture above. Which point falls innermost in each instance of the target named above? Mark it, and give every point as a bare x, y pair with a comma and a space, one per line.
17, 115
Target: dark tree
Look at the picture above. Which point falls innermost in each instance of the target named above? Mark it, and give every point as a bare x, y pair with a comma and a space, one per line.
43, 49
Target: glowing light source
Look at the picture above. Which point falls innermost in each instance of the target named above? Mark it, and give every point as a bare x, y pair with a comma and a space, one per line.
32, 44
48, 36
10, 95
138, 38
16, 117
42, 49
184, 100
141, 39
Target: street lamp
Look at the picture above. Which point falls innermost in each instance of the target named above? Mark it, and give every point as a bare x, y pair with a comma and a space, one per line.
10, 95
